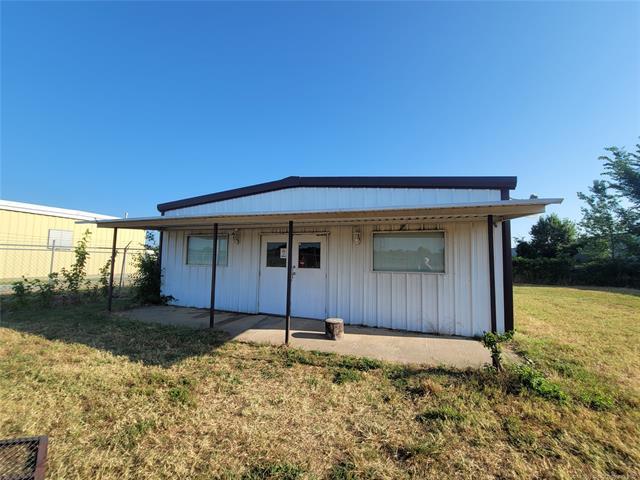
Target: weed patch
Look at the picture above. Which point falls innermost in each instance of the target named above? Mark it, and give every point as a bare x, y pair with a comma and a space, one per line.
345, 470
131, 433
442, 414
344, 375
415, 450
536, 382
597, 400
362, 364
277, 471
517, 434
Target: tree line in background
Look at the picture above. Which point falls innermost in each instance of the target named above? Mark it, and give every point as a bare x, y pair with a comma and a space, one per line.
603, 248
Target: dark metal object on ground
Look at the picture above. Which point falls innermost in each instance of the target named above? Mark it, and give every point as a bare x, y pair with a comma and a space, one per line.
23, 458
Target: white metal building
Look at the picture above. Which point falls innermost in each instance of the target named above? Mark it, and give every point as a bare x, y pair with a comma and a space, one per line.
424, 254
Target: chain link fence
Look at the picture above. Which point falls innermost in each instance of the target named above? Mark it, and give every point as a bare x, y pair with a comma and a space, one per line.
36, 257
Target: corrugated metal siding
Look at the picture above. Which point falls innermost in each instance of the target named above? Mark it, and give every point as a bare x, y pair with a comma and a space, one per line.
456, 302
236, 283
310, 199
24, 245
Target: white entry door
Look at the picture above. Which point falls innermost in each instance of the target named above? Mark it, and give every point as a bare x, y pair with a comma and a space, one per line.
309, 285
309, 281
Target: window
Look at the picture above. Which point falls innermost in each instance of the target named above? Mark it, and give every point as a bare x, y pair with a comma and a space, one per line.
200, 250
276, 254
408, 252
62, 238
309, 255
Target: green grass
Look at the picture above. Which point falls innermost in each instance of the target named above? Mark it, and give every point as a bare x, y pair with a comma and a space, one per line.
127, 400
588, 341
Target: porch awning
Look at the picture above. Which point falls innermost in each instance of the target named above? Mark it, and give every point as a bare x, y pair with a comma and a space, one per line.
500, 209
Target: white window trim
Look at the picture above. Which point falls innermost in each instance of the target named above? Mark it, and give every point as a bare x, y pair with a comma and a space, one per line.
186, 249
59, 247
405, 232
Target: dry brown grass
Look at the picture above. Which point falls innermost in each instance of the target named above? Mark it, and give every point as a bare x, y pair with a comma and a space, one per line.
123, 400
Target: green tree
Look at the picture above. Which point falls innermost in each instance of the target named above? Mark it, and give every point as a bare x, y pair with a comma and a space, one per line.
603, 221
551, 237
623, 168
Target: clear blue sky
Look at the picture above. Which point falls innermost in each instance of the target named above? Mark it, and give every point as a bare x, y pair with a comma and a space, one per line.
114, 107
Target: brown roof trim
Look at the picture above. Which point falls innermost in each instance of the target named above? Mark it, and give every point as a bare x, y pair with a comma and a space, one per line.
347, 182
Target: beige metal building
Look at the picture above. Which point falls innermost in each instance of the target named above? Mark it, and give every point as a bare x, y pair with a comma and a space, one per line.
36, 240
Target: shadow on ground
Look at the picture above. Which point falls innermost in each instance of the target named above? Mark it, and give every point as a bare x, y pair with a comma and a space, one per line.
90, 325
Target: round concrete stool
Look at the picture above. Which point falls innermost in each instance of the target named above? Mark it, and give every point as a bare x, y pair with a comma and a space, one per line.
334, 328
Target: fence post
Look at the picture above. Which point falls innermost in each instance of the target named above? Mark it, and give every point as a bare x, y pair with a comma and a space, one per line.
113, 261
53, 254
124, 263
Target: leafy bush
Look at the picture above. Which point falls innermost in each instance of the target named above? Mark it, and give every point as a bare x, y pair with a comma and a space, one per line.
103, 281
542, 270
607, 272
147, 280
42, 290
46, 290
22, 290
74, 278
492, 341
535, 381
568, 271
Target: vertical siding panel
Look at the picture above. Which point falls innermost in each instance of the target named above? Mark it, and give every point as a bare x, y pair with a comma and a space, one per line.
414, 301
399, 301
446, 285
384, 294
370, 293
356, 306
342, 279
462, 280
429, 300
334, 271
347, 270
480, 280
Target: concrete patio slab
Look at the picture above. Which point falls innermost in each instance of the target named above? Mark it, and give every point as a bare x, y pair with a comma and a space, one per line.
307, 334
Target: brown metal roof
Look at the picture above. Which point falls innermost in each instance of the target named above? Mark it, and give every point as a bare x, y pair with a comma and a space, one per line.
498, 183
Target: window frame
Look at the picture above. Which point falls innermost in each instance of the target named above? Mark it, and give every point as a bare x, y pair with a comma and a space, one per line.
207, 265
266, 257
320, 256
59, 247
408, 232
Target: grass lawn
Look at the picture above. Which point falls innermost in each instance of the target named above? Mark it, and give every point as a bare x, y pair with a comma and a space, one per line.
124, 400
